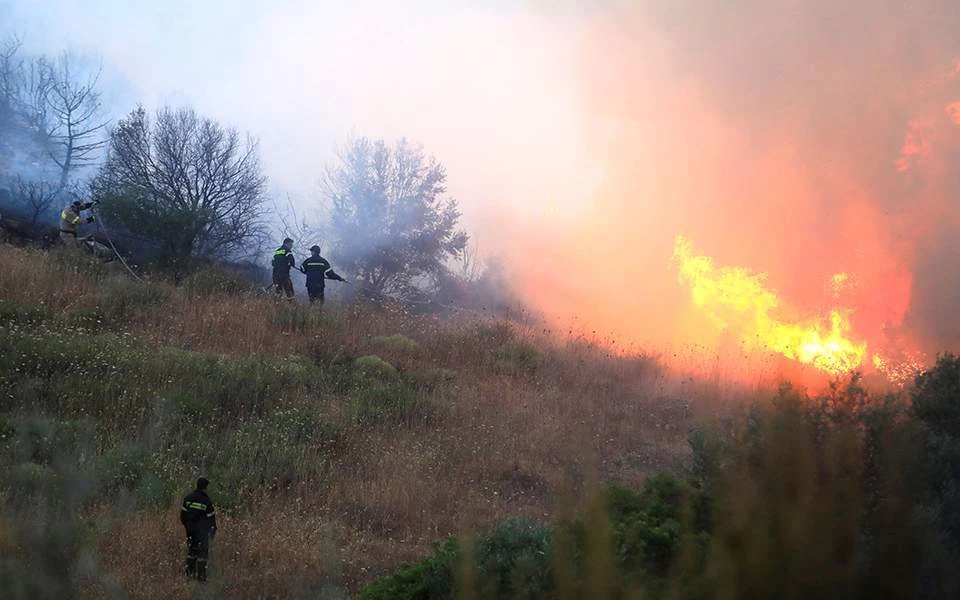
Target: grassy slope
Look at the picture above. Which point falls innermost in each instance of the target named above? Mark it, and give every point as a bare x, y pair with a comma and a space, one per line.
332, 470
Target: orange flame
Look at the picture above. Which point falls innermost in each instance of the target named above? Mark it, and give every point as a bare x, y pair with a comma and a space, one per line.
736, 298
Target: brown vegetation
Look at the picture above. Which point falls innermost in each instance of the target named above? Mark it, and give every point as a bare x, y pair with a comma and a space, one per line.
501, 421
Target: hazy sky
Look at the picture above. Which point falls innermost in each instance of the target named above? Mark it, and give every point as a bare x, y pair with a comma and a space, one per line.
488, 90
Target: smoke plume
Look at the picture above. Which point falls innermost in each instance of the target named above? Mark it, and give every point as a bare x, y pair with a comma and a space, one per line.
796, 139
815, 142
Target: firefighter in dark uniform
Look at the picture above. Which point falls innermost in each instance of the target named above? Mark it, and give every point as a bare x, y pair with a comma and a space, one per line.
318, 270
283, 261
200, 521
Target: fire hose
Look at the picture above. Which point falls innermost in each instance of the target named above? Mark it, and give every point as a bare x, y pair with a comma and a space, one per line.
103, 229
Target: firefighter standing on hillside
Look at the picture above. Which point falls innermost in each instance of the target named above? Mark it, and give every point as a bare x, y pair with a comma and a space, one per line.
200, 521
283, 261
69, 219
318, 270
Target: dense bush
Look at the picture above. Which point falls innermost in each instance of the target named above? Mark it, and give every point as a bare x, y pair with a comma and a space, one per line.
843, 495
524, 559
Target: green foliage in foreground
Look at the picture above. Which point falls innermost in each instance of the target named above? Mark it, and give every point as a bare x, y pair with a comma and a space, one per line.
636, 533
839, 496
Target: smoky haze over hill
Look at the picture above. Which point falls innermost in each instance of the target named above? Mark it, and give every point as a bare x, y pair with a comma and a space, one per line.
799, 139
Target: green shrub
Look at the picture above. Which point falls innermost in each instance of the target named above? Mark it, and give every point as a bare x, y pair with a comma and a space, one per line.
647, 526
372, 368
398, 343
432, 577
511, 561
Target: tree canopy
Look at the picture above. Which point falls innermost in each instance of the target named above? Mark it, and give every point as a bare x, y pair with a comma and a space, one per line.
393, 226
190, 185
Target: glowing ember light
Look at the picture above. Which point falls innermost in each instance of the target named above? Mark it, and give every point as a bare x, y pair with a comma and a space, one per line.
899, 370
737, 299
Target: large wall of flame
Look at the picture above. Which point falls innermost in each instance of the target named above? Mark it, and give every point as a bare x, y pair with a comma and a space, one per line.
796, 138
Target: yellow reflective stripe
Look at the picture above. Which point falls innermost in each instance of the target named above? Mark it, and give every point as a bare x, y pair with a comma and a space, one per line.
63, 215
280, 251
197, 505
328, 269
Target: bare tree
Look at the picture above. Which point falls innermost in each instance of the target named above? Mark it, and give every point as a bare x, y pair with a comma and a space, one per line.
51, 108
187, 183
292, 225
36, 197
472, 265
73, 120
10, 67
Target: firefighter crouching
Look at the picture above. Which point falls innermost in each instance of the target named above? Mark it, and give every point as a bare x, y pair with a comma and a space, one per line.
200, 521
70, 218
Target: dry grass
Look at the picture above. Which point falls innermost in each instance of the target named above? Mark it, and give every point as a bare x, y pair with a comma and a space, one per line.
516, 422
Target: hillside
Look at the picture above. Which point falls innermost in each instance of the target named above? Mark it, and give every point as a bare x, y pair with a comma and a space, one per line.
339, 443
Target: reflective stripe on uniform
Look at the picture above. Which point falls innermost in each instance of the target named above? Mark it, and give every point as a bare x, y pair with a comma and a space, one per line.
280, 251
196, 505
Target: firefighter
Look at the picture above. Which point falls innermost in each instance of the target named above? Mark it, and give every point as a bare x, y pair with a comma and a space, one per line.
318, 270
69, 219
283, 261
200, 521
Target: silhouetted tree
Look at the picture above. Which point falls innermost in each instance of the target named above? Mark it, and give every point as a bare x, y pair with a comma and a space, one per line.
391, 225
36, 197
74, 125
51, 108
184, 182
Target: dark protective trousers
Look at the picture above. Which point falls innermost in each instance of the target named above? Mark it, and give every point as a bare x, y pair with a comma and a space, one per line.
198, 550
316, 293
283, 285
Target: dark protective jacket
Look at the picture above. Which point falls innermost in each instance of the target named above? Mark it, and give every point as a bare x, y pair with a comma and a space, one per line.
318, 270
283, 261
197, 514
